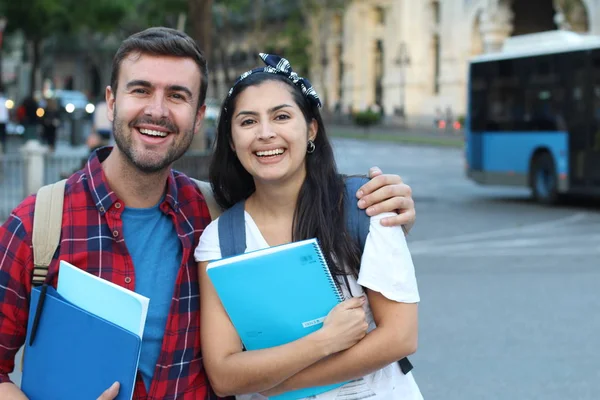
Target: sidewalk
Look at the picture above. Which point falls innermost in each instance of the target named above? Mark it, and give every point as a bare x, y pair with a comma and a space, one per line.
408, 135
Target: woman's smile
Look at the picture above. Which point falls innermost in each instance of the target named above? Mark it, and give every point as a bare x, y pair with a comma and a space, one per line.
270, 156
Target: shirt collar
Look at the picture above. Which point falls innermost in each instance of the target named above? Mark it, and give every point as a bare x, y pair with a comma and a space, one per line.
105, 198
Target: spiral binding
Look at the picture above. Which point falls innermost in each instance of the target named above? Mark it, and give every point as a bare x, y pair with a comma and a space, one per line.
334, 286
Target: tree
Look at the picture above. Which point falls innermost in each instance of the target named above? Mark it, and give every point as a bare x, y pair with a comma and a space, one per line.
200, 15
318, 16
40, 19
229, 16
159, 13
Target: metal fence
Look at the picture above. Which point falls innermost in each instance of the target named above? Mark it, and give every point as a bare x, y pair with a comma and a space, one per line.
13, 173
194, 164
12, 177
57, 167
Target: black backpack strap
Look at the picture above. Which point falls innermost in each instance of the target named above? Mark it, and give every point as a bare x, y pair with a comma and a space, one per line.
405, 365
357, 220
232, 231
358, 224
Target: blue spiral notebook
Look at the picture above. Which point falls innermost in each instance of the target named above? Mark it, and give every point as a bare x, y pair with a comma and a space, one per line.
277, 295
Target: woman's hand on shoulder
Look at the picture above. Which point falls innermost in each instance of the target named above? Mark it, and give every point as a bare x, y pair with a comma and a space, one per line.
345, 325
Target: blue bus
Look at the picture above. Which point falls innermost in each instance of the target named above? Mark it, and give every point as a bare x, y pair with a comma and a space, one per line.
533, 115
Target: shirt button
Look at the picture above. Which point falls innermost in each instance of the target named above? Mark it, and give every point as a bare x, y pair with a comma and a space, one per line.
101, 209
118, 205
128, 280
115, 233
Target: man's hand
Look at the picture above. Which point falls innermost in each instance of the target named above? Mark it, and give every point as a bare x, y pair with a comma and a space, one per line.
387, 193
110, 393
10, 391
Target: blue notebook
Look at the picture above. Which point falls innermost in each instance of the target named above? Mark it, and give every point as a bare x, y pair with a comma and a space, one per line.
75, 354
103, 298
277, 295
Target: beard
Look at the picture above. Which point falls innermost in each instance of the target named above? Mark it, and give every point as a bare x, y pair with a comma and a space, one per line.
150, 161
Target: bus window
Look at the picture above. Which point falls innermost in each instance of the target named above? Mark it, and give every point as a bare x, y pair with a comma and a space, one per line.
543, 96
596, 98
593, 165
503, 111
479, 88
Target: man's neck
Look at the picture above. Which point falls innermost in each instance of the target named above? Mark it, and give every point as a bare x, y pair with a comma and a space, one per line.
135, 188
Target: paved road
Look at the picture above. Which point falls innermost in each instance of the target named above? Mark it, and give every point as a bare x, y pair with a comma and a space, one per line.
509, 289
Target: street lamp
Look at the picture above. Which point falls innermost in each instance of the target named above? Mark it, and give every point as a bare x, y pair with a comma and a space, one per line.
402, 61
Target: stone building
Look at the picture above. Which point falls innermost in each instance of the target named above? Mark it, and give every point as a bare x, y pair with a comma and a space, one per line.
411, 56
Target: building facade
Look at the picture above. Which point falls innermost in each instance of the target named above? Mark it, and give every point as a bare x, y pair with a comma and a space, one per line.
410, 57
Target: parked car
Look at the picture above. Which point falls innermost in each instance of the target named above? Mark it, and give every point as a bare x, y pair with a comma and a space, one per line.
75, 103
14, 128
72, 104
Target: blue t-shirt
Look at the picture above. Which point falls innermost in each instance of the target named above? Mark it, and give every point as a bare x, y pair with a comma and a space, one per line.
156, 250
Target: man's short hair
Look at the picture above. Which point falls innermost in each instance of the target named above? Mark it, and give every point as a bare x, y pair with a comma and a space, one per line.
161, 41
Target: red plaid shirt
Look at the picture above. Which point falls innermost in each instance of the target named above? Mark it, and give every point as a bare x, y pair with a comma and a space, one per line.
92, 238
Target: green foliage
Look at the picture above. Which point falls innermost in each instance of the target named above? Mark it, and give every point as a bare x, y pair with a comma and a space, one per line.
321, 5
236, 7
159, 12
367, 118
296, 45
39, 19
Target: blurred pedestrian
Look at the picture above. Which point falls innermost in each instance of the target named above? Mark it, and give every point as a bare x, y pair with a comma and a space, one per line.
439, 117
101, 134
26, 115
3, 120
449, 118
51, 122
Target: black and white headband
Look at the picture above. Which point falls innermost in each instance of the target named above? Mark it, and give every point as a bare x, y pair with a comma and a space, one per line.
280, 66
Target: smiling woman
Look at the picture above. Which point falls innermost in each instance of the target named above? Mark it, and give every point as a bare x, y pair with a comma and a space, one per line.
270, 133
273, 158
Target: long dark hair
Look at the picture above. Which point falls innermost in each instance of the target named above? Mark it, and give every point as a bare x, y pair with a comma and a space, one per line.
320, 207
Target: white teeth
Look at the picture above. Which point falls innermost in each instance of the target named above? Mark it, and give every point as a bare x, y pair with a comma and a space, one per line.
269, 153
151, 132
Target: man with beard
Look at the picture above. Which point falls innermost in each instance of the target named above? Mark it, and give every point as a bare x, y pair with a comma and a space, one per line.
132, 220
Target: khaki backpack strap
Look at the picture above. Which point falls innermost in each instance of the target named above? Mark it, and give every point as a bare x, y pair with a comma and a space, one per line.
207, 192
47, 225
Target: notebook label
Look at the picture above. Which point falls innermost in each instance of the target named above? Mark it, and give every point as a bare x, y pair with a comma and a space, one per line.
314, 322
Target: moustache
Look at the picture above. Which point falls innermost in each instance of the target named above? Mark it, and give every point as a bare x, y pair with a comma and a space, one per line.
163, 123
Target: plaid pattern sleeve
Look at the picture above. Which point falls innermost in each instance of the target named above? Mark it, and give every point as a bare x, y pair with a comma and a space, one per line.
16, 261
92, 239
